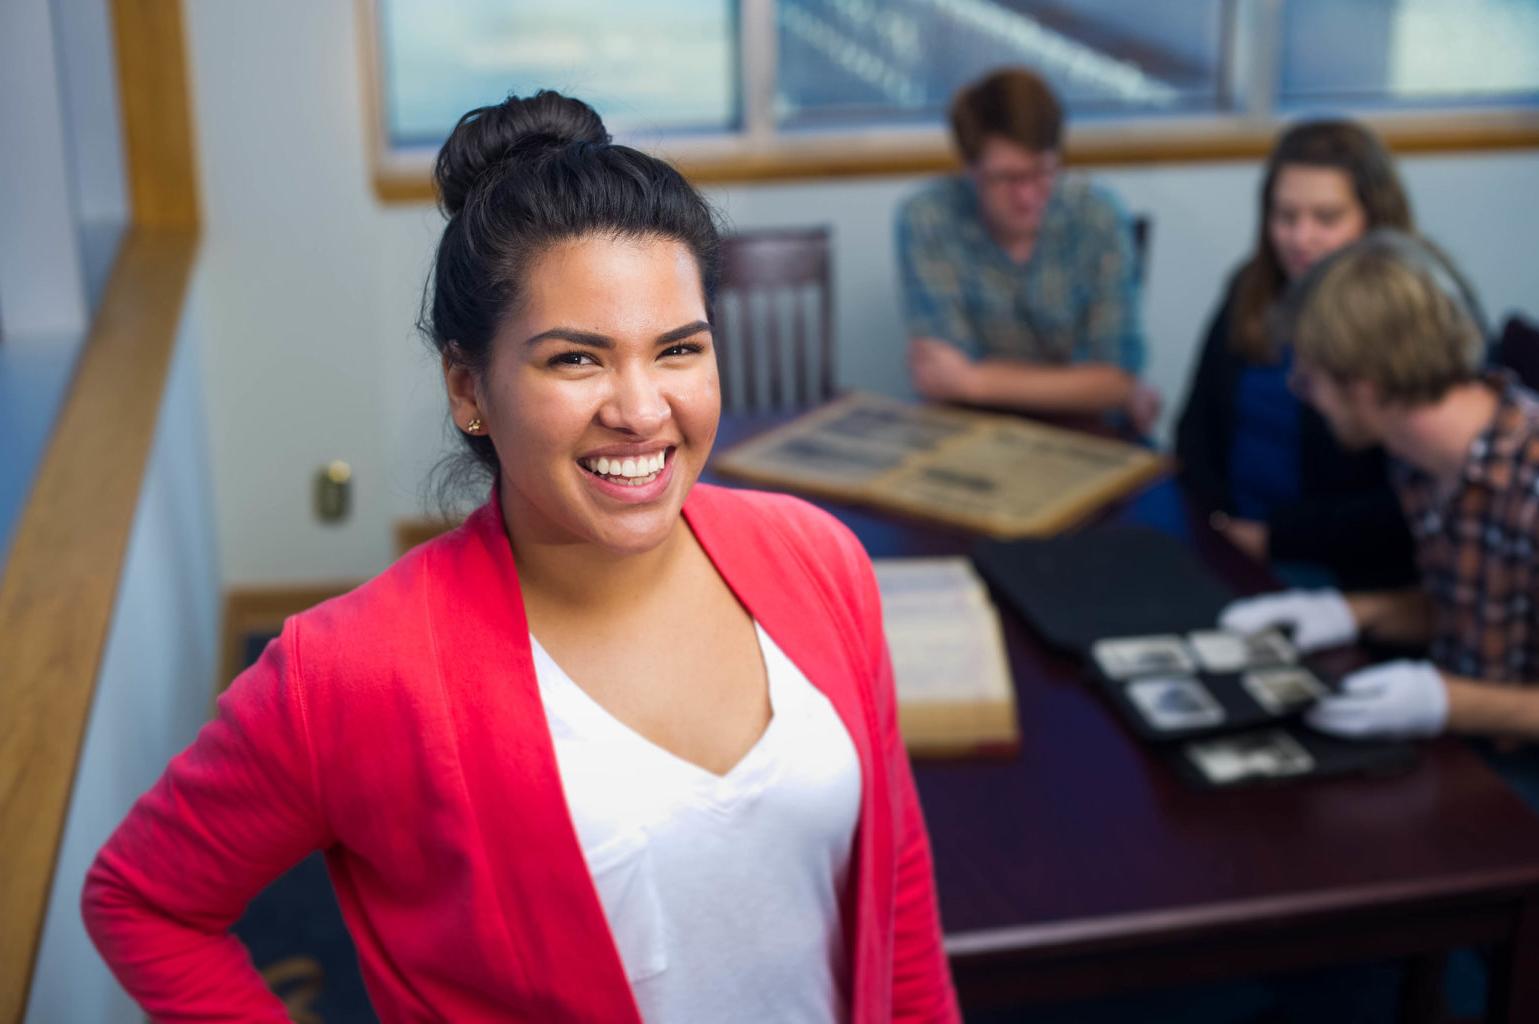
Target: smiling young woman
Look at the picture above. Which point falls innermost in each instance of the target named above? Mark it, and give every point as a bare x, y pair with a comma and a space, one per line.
1278, 483
622, 746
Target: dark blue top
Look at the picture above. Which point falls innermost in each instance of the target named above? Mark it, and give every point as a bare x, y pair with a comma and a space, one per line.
1264, 469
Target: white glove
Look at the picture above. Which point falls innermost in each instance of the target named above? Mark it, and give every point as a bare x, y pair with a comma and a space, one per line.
1396, 700
1317, 618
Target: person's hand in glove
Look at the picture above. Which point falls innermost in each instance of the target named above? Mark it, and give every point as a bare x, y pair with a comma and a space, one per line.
1396, 700
1317, 618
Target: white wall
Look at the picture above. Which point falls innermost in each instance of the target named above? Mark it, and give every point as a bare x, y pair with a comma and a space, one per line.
153, 690
41, 289
313, 286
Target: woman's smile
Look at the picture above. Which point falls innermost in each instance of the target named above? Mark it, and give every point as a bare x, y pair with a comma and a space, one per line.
602, 397
632, 478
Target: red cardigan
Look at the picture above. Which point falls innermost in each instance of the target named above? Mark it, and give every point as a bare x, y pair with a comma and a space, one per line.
399, 728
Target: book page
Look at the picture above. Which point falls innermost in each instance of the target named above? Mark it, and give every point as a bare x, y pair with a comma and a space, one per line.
943, 632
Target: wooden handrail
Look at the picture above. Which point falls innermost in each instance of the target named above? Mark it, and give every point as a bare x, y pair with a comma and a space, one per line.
59, 587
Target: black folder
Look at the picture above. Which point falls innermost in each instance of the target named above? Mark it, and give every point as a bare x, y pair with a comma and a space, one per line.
1113, 580
1121, 580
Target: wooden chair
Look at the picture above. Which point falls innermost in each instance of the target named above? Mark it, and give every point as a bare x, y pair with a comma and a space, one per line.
1143, 224
1518, 349
770, 281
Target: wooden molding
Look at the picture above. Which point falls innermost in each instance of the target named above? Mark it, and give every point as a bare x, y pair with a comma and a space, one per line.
411, 532
156, 112
60, 586
263, 608
406, 178
251, 609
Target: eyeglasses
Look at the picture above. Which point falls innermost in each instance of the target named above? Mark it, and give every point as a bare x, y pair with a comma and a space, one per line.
1042, 174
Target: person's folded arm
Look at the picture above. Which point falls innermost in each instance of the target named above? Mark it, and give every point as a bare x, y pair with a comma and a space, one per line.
1079, 388
942, 372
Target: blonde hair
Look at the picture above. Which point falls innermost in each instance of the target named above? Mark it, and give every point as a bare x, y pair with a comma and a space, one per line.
1389, 309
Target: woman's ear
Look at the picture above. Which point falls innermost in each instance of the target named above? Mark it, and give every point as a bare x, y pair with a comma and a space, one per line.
460, 382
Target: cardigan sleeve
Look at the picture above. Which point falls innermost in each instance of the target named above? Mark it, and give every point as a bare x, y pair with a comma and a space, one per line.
921, 978
232, 812
1363, 538
1205, 430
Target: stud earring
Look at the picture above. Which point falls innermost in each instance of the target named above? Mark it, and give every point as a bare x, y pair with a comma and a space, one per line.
474, 426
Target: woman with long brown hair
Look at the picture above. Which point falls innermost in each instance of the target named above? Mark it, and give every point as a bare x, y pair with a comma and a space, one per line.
1279, 485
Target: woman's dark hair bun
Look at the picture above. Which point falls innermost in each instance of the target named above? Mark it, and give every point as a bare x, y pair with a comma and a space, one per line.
519, 178
488, 137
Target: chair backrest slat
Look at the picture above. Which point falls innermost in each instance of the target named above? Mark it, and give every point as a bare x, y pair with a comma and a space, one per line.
761, 272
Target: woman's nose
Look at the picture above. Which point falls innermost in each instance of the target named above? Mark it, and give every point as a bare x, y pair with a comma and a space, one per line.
636, 404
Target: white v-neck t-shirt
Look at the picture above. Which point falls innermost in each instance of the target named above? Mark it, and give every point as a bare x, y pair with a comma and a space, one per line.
722, 892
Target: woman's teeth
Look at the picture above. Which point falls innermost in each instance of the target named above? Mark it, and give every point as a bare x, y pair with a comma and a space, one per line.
632, 471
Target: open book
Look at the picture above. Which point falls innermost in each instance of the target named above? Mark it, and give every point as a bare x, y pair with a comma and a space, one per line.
955, 696
1001, 475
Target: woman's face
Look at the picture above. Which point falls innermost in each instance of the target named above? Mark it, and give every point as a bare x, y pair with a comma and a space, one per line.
1313, 212
601, 395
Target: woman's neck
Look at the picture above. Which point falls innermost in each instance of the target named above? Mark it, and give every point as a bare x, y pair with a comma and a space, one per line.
573, 577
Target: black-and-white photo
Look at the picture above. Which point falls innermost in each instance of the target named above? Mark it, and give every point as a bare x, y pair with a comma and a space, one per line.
1269, 754
1282, 690
1133, 656
1224, 651
1173, 703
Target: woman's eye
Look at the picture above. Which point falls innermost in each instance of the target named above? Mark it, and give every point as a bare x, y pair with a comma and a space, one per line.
684, 349
572, 359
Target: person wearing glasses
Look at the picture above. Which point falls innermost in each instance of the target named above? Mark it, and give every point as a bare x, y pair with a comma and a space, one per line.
1388, 349
1019, 285
1277, 483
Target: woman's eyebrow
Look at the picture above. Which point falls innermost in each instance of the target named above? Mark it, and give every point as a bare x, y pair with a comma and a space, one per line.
573, 335
680, 333
596, 340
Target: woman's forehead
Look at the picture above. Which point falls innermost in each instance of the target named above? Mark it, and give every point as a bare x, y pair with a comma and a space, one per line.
602, 283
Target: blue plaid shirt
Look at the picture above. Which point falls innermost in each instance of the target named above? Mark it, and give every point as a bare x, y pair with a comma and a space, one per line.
1074, 301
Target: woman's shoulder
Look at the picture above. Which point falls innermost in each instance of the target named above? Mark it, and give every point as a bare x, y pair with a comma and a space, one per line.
780, 536
764, 513
1223, 309
379, 626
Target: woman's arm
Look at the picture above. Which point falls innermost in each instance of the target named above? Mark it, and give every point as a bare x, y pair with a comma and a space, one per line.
232, 812
922, 990
1204, 431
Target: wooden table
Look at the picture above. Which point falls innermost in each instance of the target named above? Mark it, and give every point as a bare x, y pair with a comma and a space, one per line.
1084, 867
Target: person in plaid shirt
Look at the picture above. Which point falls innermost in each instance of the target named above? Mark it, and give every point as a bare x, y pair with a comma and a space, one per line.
1389, 351
1019, 289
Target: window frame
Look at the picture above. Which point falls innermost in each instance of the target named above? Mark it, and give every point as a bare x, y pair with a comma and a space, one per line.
760, 153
